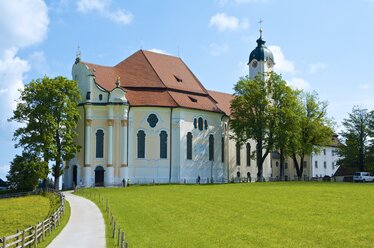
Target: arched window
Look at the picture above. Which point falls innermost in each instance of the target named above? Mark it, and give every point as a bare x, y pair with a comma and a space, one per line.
206, 124
163, 144
100, 143
248, 149
195, 123
223, 149
189, 145
237, 153
100, 97
211, 147
200, 124
141, 144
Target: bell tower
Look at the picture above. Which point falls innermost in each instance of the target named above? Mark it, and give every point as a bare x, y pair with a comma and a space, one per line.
261, 59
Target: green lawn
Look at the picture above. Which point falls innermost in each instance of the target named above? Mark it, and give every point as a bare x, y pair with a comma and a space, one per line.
245, 215
22, 212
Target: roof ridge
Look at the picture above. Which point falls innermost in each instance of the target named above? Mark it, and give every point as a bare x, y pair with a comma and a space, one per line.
198, 81
141, 50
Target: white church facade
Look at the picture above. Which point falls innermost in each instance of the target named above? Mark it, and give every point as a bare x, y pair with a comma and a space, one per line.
149, 119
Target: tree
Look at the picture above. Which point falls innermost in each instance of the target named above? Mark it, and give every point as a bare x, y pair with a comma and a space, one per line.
256, 108
26, 170
287, 111
356, 150
49, 109
314, 130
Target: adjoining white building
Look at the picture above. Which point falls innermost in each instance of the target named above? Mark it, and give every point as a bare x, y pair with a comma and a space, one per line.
317, 165
149, 119
324, 163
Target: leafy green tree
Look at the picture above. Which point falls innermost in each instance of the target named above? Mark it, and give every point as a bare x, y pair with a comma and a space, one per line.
356, 149
48, 108
313, 132
26, 170
256, 108
286, 109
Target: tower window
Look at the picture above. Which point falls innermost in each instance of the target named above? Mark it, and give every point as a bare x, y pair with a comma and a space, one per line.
206, 124
189, 145
88, 95
211, 147
316, 164
163, 144
141, 144
100, 143
195, 123
100, 97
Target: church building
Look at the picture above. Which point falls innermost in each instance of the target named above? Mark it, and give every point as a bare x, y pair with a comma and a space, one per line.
149, 119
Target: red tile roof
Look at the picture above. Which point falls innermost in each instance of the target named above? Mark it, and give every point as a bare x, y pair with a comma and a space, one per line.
153, 79
223, 101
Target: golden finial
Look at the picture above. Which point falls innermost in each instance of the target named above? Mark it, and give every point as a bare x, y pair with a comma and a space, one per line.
118, 81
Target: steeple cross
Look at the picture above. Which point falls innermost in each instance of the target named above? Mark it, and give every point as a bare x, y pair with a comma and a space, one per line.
260, 22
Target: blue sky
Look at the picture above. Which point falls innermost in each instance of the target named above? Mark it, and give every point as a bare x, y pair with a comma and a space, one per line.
322, 46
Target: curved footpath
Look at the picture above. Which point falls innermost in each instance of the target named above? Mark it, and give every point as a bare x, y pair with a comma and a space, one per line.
85, 228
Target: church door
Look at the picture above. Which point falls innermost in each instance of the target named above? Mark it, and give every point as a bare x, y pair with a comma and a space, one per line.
99, 176
75, 169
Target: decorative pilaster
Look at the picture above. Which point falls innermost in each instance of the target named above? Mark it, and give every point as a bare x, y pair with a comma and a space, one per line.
87, 144
124, 143
110, 143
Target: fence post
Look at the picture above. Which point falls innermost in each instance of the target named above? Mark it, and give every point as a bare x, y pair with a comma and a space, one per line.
23, 238
126, 245
35, 236
43, 230
119, 235
122, 239
17, 239
114, 229
4, 242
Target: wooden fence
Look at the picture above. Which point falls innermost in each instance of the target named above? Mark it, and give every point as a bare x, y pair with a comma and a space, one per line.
117, 232
33, 235
19, 194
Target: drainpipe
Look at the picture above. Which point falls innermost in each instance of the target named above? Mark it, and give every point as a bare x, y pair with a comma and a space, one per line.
171, 140
128, 134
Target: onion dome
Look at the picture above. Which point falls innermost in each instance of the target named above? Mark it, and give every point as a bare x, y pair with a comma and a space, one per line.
261, 52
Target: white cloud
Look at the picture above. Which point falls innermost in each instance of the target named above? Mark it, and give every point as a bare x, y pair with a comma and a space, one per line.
298, 83
103, 8
22, 23
218, 49
156, 50
281, 63
12, 69
224, 22
315, 67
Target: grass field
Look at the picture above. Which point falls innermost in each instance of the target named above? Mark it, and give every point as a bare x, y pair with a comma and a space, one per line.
245, 215
22, 212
